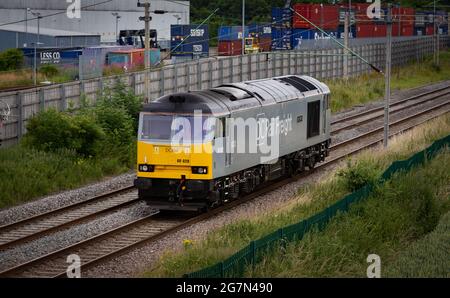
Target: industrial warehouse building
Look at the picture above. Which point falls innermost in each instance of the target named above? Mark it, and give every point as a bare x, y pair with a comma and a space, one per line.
98, 19
15, 36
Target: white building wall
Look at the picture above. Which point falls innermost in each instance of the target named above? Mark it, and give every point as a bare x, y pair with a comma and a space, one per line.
98, 19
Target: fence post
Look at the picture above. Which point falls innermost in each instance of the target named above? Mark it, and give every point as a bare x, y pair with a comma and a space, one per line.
188, 78
19, 100
258, 66
133, 82
231, 70
210, 66
100, 85
175, 78
220, 72
161, 81
62, 94
253, 249
222, 271
41, 100
199, 75
242, 68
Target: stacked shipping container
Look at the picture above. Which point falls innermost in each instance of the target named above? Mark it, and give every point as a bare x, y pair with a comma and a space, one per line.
190, 41
230, 40
133, 59
324, 16
281, 29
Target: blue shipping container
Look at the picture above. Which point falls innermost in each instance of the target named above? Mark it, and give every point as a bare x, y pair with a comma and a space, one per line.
351, 32
281, 17
281, 39
298, 35
262, 30
443, 30
231, 33
419, 31
189, 40
56, 56
420, 19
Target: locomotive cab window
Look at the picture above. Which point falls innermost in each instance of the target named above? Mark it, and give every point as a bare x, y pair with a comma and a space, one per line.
313, 128
167, 128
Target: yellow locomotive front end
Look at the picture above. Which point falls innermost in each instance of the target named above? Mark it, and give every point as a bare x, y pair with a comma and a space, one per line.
175, 161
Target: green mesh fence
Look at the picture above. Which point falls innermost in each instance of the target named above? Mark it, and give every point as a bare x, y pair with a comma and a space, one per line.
235, 265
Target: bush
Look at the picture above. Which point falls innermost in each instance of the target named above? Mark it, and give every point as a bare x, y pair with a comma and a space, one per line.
122, 97
11, 59
358, 174
49, 71
116, 123
52, 131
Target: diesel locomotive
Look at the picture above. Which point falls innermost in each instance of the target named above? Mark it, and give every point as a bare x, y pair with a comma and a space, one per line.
200, 149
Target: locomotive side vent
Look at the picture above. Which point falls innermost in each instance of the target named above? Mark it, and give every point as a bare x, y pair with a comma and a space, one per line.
301, 84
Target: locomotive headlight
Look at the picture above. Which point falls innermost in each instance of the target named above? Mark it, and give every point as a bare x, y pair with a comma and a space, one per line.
200, 170
146, 168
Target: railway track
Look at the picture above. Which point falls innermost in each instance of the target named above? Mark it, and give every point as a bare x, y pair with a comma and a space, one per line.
103, 247
370, 115
40, 225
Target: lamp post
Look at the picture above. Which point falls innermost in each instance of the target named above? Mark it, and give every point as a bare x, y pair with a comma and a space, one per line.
350, 15
388, 76
117, 18
243, 27
27, 11
39, 17
35, 62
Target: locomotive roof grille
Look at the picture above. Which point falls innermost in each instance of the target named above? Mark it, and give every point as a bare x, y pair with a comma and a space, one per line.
301, 84
233, 92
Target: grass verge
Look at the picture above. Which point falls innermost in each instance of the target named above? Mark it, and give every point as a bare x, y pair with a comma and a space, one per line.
398, 213
428, 257
28, 173
223, 242
370, 87
65, 150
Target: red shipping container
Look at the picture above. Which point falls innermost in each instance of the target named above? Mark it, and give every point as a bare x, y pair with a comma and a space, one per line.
324, 16
408, 16
396, 29
361, 12
265, 44
407, 30
365, 30
230, 48
404, 14
380, 30
429, 30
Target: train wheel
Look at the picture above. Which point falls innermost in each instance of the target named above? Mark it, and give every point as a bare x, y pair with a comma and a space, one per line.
311, 162
247, 187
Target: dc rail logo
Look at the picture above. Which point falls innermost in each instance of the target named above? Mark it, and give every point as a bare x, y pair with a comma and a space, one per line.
374, 10
74, 9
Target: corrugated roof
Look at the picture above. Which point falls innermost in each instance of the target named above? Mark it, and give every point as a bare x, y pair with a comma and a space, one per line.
44, 31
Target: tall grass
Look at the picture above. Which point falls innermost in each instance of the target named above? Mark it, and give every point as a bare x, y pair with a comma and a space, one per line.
397, 214
311, 199
428, 257
27, 173
370, 87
